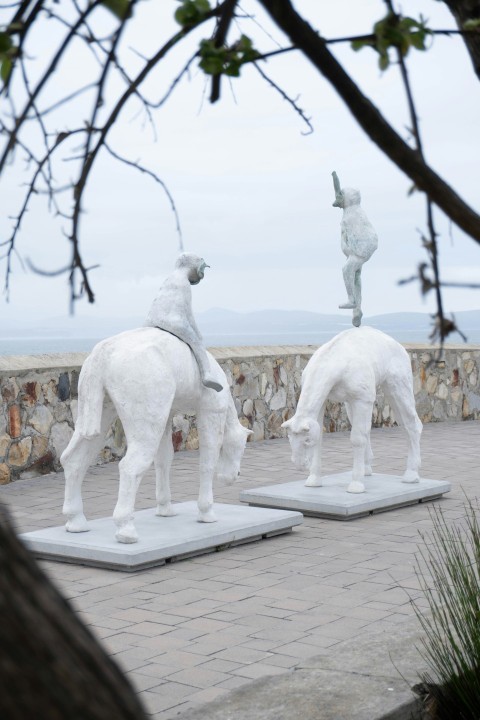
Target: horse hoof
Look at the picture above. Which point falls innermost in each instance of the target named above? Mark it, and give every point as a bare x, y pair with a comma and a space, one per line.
356, 487
127, 534
411, 476
207, 517
368, 470
165, 511
77, 524
313, 481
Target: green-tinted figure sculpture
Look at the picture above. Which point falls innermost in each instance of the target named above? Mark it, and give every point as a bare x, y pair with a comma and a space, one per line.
359, 242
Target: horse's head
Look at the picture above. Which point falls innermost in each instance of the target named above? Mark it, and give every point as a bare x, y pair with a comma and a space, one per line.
303, 435
231, 453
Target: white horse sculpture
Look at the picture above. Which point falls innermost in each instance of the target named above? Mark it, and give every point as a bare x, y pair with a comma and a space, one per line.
146, 376
348, 369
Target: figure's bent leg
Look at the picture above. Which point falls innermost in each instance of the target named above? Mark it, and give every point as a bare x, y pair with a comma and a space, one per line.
357, 317
361, 414
204, 366
315, 477
357, 288
357, 294
187, 334
210, 427
163, 462
76, 459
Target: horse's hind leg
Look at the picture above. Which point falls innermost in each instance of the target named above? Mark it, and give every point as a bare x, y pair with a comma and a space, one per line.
76, 459
163, 462
402, 399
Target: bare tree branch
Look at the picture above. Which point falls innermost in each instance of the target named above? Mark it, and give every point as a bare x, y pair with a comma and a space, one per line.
79, 188
464, 11
44, 79
286, 97
370, 119
219, 38
158, 180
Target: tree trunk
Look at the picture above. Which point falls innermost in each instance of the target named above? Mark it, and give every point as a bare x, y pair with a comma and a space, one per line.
51, 666
463, 10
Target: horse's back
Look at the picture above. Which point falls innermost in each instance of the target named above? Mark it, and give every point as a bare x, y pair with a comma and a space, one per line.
150, 366
359, 358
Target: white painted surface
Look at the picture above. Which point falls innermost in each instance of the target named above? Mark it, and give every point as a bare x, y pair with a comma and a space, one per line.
382, 492
161, 538
147, 376
349, 369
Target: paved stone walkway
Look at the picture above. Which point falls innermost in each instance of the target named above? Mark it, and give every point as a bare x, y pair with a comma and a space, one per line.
190, 631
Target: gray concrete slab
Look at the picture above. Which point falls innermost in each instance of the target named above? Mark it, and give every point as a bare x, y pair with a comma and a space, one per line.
161, 539
331, 500
367, 679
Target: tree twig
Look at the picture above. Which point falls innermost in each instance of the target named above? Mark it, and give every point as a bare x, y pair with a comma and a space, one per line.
158, 180
286, 97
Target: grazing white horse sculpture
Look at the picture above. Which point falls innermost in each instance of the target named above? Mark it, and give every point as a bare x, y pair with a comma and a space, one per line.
348, 369
146, 376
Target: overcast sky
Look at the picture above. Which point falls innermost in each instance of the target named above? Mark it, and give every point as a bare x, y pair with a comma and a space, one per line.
253, 193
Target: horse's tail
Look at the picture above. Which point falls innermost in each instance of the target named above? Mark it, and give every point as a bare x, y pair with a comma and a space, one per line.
91, 392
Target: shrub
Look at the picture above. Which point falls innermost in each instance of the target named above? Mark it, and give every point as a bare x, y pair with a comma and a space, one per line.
449, 575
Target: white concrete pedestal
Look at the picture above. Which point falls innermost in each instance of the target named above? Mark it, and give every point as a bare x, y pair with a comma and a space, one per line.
162, 539
383, 492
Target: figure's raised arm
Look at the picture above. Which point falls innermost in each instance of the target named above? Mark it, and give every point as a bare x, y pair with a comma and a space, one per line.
338, 191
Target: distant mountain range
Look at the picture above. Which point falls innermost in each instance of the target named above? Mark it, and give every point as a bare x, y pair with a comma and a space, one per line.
281, 327
225, 327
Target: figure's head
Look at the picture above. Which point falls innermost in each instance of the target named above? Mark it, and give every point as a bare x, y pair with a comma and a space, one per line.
303, 435
234, 441
193, 265
350, 197
344, 197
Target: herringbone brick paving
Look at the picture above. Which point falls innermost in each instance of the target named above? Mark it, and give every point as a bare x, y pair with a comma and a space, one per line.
190, 631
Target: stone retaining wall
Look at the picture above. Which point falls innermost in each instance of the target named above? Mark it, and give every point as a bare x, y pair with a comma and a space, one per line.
40, 400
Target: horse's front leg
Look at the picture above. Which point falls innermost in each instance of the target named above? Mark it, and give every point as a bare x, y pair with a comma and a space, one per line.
368, 448
210, 425
361, 419
315, 477
163, 463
